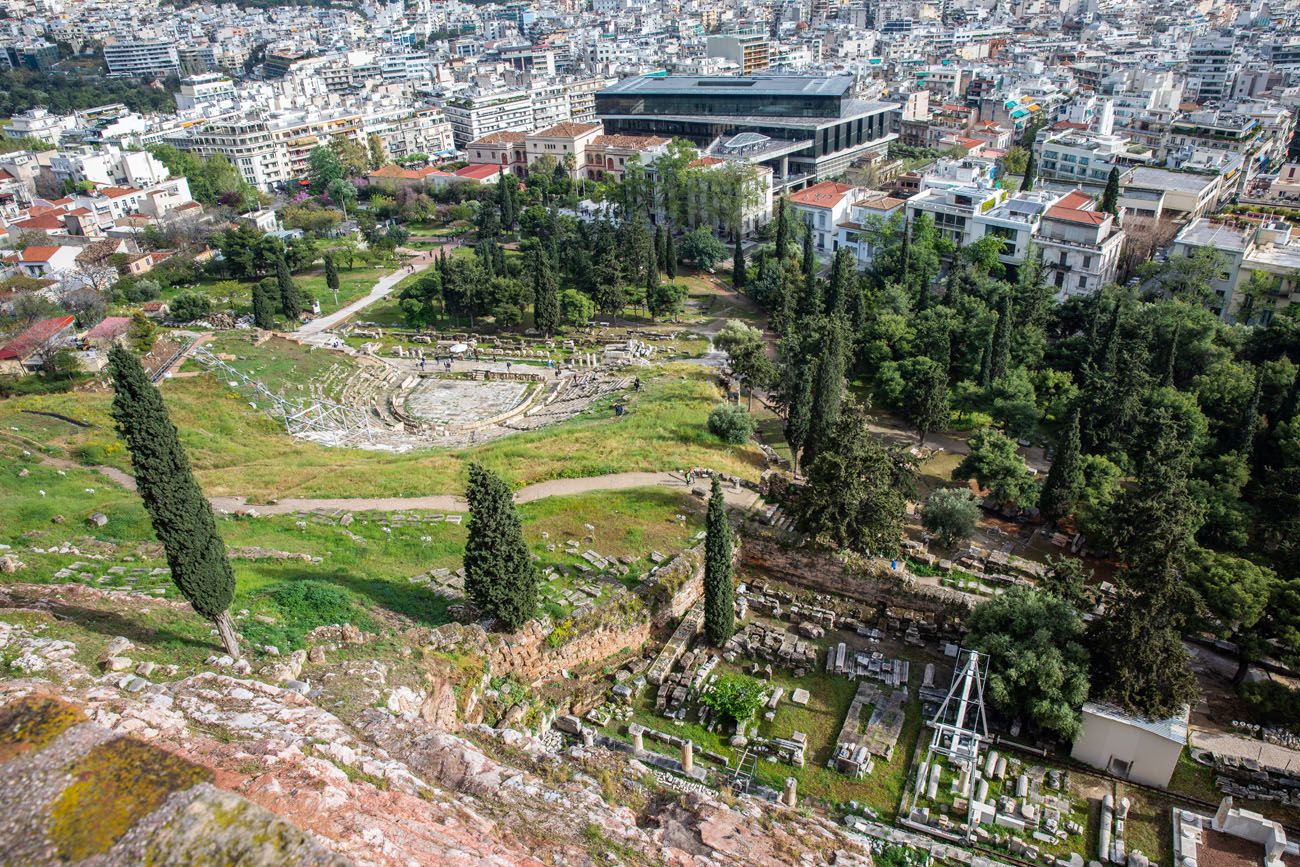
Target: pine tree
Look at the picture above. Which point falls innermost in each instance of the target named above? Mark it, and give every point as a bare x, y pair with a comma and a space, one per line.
546, 296
738, 277
828, 394
782, 229
1061, 489
500, 576
1110, 197
670, 254
1031, 171
290, 299
332, 276
1245, 438
719, 600
181, 516
265, 296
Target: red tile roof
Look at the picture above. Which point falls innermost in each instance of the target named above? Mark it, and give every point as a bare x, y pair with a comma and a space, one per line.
504, 137
1076, 207
480, 172
39, 254
108, 328
567, 129
827, 194
26, 344
638, 142
44, 222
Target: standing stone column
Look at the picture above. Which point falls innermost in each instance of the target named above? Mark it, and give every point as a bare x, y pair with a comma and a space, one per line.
790, 797
638, 738
688, 756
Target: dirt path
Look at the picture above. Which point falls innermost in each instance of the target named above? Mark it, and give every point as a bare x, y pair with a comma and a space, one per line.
740, 498
386, 284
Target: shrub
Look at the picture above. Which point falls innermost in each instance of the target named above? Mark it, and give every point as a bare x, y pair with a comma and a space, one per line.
951, 514
300, 606
731, 424
188, 306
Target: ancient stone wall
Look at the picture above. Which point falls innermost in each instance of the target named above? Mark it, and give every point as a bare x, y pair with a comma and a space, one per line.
872, 583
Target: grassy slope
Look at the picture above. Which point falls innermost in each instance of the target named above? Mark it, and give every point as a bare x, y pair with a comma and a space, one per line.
236, 450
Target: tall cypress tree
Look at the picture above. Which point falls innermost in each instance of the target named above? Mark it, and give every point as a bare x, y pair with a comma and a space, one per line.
828, 394
505, 201
809, 260
290, 299
719, 599
1031, 171
670, 254
332, 276
1244, 443
265, 295
181, 516
837, 289
546, 296
1061, 489
782, 229
651, 272
738, 265
798, 415
1110, 197
1001, 356
500, 576
659, 247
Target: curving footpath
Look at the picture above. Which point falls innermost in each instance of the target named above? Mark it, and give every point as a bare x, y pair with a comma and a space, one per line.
741, 498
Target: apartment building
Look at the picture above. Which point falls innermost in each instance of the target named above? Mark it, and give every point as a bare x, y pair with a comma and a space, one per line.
1245, 248
474, 115
198, 91
152, 58
1080, 245
1211, 68
857, 233
1085, 158
822, 207
749, 51
271, 149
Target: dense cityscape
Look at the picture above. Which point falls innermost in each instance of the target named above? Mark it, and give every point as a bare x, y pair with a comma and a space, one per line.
629, 433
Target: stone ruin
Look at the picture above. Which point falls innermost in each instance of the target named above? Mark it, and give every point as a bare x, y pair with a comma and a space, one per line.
860, 740
777, 646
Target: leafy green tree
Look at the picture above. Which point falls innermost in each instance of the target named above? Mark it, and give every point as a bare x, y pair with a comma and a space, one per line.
950, 514
141, 333
1065, 478
1110, 196
995, 465
375, 147
666, 299
719, 591
290, 297
702, 248
858, 488
419, 299
323, 168
734, 697
266, 297
181, 515
1138, 660
746, 351
576, 309
1041, 671
500, 576
925, 400
1015, 160
1234, 596
1067, 579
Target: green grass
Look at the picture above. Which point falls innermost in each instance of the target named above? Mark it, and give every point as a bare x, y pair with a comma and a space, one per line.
237, 295
236, 450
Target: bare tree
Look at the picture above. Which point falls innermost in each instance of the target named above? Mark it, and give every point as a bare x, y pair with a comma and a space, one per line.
1143, 237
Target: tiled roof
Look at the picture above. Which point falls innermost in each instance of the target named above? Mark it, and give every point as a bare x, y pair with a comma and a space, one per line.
480, 172
24, 345
506, 136
568, 129
44, 222
108, 328
630, 142
39, 254
827, 194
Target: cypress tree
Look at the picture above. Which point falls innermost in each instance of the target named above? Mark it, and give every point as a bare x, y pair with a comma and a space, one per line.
1031, 170
505, 201
500, 576
181, 516
290, 299
719, 604
670, 254
1001, 356
986, 359
738, 277
1245, 439
265, 294
798, 415
659, 247
782, 229
837, 289
651, 272
1061, 489
1171, 359
762, 268
546, 296
809, 260
828, 394
332, 276
1110, 197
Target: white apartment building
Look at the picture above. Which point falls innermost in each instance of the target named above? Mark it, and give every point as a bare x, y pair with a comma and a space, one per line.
550, 104
858, 232
405, 132
142, 58
38, 123
1245, 248
1085, 158
475, 115
210, 88
822, 207
1211, 68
